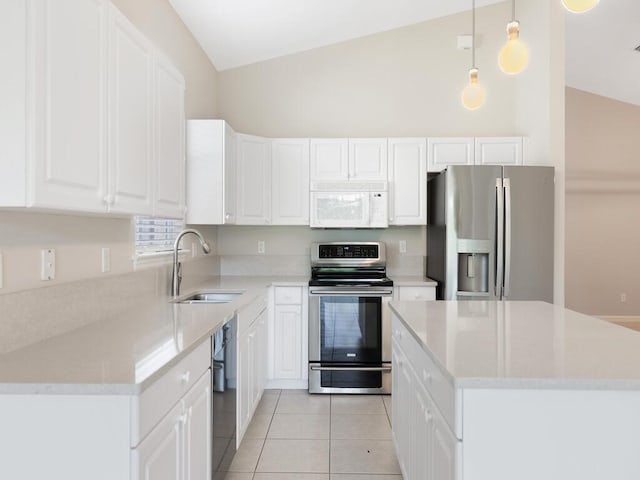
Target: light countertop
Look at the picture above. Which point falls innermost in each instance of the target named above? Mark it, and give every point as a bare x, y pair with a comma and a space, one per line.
488, 344
124, 354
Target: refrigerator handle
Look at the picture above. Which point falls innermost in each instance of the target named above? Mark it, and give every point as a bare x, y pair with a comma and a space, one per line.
507, 236
499, 238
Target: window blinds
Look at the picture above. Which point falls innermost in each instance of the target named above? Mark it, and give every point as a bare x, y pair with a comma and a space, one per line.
155, 234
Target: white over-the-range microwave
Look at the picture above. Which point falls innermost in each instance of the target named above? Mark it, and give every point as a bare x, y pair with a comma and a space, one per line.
349, 205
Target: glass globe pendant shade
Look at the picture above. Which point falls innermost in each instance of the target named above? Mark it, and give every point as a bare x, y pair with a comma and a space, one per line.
579, 6
514, 56
473, 94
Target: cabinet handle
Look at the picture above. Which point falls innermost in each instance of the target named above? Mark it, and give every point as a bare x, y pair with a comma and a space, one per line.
108, 199
184, 378
417, 295
427, 416
426, 376
227, 216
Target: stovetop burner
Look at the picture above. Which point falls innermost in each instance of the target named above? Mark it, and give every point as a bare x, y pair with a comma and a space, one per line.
349, 264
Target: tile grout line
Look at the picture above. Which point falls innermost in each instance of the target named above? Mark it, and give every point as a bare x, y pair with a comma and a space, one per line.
266, 435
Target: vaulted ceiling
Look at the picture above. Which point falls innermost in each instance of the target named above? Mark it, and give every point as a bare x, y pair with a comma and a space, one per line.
600, 44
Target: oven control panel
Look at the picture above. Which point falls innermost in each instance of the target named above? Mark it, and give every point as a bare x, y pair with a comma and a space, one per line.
351, 251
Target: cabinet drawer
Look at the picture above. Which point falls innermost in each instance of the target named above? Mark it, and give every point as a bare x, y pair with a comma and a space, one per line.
416, 293
288, 295
154, 403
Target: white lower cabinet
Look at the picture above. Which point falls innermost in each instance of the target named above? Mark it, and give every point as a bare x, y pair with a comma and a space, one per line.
287, 356
179, 447
252, 353
426, 446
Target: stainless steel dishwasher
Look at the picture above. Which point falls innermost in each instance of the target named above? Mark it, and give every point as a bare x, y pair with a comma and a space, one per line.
223, 367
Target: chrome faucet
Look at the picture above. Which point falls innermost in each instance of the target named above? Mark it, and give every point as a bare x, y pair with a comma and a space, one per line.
177, 266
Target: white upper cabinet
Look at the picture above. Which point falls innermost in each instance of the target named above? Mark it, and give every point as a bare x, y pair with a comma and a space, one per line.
342, 159
254, 180
368, 159
89, 121
290, 181
53, 116
211, 172
131, 118
498, 151
445, 151
169, 140
407, 181
329, 159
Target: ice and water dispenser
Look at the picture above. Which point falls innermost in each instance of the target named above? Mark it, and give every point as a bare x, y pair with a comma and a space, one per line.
473, 272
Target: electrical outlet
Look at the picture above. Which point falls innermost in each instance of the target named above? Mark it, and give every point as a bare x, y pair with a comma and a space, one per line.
260, 246
403, 246
623, 297
106, 260
48, 264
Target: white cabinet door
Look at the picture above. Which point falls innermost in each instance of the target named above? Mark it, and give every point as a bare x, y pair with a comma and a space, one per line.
368, 159
211, 172
259, 360
402, 378
407, 181
422, 434
445, 151
197, 430
230, 176
288, 341
169, 140
254, 180
445, 449
130, 118
498, 151
69, 108
244, 394
290, 181
329, 159
158, 455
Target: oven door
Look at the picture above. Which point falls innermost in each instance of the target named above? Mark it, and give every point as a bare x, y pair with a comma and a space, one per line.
349, 340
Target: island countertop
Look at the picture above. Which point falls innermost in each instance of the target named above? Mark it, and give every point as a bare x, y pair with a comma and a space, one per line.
522, 344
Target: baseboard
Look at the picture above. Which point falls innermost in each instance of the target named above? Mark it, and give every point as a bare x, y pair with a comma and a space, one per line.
285, 384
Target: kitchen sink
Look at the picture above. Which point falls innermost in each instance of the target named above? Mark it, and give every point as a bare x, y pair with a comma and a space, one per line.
209, 297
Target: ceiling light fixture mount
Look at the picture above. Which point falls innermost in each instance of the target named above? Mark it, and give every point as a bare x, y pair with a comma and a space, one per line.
579, 6
514, 55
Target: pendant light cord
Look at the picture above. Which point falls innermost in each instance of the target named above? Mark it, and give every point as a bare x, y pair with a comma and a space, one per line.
473, 33
513, 10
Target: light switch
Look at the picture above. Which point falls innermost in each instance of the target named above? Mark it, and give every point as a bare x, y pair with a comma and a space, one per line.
260, 246
403, 246
48, 264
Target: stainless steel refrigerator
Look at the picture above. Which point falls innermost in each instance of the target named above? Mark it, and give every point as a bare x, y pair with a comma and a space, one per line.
490, 233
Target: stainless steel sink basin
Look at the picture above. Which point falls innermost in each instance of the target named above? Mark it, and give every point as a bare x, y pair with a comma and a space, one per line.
209, 297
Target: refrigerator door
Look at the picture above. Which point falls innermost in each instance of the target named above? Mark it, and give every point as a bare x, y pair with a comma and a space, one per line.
471, 206
529, 213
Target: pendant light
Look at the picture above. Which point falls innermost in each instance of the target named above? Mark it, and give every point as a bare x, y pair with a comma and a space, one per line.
473, 94
514, 56
579, 6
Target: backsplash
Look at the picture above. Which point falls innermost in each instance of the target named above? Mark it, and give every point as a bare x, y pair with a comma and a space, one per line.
30, 316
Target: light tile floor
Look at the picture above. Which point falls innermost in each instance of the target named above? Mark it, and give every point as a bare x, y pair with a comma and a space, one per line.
298, 436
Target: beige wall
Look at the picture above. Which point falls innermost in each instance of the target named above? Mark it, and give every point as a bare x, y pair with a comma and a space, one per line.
78, 240
403, 82
603, 204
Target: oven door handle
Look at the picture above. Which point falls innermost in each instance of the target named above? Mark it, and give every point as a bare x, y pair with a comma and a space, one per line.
351, 293
350, 369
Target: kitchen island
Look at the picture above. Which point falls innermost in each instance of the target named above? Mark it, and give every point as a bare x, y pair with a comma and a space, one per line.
506, 390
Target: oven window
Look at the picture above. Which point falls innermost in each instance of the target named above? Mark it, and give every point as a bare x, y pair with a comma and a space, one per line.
351, 335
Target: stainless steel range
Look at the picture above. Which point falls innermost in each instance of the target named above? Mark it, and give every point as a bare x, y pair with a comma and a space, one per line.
349, 318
